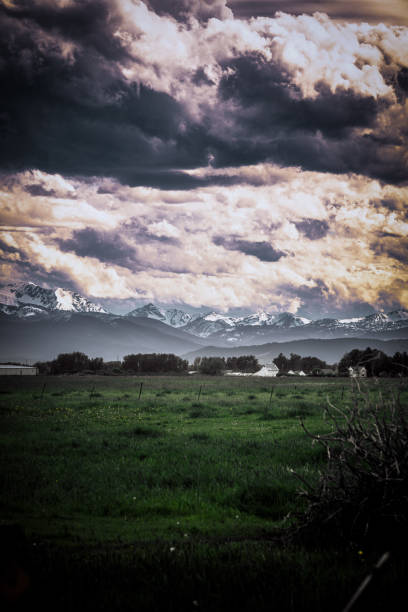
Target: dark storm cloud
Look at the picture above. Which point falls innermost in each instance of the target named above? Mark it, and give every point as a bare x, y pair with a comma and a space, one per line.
37, 274
107, 247
92, 23
39, 190
78, 116
67, 108
313, 229
318, 292
320, 303
402, 79
261, 250
272, 120
7, 248
391, 245
84, 119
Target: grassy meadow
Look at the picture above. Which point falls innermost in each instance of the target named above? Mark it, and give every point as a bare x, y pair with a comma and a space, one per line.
175, 493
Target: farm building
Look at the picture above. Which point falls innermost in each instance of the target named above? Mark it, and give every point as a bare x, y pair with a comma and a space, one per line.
269, 369
17, 370
357, 372
232, 373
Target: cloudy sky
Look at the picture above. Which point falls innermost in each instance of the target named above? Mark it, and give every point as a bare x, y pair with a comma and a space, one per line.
219, 154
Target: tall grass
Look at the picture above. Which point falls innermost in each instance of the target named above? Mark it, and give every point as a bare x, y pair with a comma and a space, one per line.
170, 502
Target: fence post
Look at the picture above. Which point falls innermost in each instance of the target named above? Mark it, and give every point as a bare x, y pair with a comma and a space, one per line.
367, 580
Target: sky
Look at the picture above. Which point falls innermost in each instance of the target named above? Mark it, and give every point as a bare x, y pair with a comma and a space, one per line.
230, 155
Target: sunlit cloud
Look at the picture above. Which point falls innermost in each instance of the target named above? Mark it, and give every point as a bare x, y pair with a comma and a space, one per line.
305, 230
207, 154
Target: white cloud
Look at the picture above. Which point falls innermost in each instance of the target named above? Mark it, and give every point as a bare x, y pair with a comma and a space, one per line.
198, 271
312, 49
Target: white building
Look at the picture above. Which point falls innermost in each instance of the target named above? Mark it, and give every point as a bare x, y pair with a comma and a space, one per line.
17, 370
269, 369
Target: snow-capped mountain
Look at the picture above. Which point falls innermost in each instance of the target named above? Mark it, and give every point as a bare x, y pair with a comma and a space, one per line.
376, 322
398, 315
284, 319
263, 326
212, 323
172, 316
287, 320
29, 299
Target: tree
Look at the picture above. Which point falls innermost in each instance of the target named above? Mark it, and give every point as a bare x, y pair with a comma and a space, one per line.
69, 363
244, 363
400, 364
312, 363
295, 362
196, 364
281, 362
154, 363
96, 364
212, 365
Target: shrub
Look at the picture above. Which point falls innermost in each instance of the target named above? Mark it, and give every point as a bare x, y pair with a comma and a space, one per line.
363, 493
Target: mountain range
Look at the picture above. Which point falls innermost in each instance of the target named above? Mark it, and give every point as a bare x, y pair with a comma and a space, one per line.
262, 326
38, 323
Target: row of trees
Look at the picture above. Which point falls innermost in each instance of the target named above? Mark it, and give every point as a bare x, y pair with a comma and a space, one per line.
250, 364
154, 363
297, 363
216, 365
71, 363
77, 362
376, 362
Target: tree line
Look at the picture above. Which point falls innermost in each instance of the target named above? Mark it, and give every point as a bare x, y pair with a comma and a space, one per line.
77, 362
296, 363
376, 363
154, 363
217, 365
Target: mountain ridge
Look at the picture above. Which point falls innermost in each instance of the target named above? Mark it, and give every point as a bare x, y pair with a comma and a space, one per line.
40, 338
30, 302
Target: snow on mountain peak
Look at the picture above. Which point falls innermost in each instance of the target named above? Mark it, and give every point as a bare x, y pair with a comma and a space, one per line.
20, 295
215, 316
26, 299
173, 316
352, 320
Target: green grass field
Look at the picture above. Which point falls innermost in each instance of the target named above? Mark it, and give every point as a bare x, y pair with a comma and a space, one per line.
175, 496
